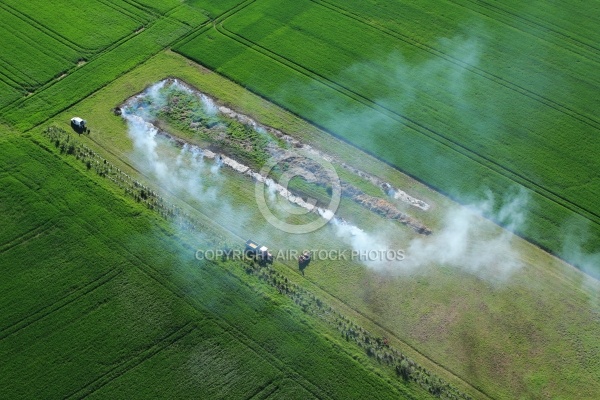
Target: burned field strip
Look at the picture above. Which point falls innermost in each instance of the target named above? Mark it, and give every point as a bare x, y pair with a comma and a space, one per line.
223, 133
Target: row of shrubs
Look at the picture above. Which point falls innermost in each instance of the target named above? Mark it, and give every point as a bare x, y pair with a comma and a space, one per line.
374, 346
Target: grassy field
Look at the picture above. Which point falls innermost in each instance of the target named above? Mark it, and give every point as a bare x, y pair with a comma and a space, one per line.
464, 102
538, 327
104, 298
32, 63
100, 293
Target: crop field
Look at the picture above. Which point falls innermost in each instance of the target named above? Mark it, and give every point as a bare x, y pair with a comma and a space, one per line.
53, 61
116, 306
464, 113
421, 311
421, 107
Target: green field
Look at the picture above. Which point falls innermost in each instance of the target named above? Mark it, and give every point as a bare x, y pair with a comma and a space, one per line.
99, 282
462, 103
102, 295
421, 310
52, 59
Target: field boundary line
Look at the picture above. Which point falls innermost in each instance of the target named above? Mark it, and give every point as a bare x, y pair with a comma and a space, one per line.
6, 79
415, 126
148, 9
204, 27
60, 303
129, 14
265, 390
26, 236
144, 8
169, 14
585, 119
15, 74
134, 361
156, 13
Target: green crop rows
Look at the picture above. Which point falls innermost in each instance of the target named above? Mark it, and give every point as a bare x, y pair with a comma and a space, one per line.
54, 54
462, 95
441, 110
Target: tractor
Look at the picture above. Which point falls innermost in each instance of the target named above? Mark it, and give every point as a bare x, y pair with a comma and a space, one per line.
260, 253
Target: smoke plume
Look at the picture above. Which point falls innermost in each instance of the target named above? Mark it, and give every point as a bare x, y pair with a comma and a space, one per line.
464, 241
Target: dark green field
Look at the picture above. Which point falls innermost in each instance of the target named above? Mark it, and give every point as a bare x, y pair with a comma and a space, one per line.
103, 298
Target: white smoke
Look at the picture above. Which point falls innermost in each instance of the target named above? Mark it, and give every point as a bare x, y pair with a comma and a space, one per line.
370, 249
214, 169
271, 189
327, 214
144, 136
576, 235
209, 105
177, 173
189, 172
464, 241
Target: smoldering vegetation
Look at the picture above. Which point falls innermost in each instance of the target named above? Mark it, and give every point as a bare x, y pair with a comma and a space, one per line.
466, 241
245, 146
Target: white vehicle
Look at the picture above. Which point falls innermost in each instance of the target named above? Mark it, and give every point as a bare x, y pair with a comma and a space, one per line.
77, 122
260, 252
